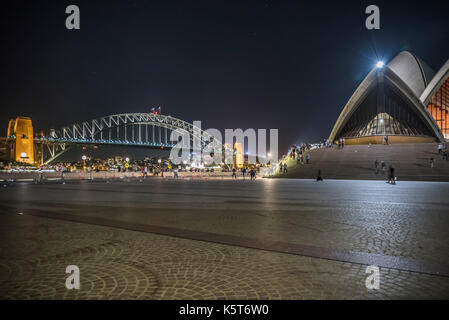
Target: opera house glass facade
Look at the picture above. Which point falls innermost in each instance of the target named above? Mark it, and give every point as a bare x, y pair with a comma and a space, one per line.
439, 108
404, 100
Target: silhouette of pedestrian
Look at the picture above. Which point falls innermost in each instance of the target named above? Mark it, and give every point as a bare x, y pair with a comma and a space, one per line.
376, 167
319, 177
391, 176
253, 174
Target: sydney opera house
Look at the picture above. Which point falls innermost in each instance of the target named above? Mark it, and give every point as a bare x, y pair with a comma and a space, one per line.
404, 100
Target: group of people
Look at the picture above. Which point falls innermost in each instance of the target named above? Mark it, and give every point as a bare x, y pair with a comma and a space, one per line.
299, 154
328, 143
252, 173
382, 166
341, 143
283, 168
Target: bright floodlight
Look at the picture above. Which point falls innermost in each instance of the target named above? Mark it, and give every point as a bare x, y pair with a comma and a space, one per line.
380, 64
127, 159
84, 158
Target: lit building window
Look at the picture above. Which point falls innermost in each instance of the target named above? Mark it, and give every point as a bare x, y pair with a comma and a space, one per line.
439, 107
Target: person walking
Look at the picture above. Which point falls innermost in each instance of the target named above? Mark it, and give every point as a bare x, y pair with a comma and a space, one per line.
391, 176
376, 167
307, 158
319, 177
244, 173
253, 174
234, 173
445, 155
440, 148
432, 161
285, 168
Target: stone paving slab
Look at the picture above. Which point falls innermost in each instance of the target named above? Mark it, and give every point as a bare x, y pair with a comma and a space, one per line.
404, 264
408, 222
122, 264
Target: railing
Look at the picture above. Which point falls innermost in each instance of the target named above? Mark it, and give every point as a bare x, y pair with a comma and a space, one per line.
104, 175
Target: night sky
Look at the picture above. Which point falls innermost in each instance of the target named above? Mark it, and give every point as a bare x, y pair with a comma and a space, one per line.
290, 65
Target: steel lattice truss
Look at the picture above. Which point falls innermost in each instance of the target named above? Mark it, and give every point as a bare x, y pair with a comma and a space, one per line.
131, 129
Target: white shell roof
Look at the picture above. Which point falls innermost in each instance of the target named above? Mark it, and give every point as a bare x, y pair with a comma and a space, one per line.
415, 73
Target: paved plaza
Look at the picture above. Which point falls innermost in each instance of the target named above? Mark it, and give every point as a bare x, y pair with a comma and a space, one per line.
224, 239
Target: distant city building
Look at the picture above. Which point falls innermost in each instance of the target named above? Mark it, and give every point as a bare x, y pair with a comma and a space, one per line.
403, 100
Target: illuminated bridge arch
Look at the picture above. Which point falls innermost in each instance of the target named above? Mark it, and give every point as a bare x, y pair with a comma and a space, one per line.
127, 129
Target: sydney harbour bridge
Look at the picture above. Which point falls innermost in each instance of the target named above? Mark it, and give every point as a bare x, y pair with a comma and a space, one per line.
150, 130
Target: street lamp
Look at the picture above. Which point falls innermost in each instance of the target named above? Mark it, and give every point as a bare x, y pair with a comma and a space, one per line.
127, 159
159, 161
84, 160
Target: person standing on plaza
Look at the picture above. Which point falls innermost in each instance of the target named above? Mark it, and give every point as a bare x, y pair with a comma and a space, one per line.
432, 161
319, 177
307, 158
234, 173
285, 167
391, 176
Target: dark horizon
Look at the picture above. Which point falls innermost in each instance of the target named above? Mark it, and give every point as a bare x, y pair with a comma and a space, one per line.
291, 65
